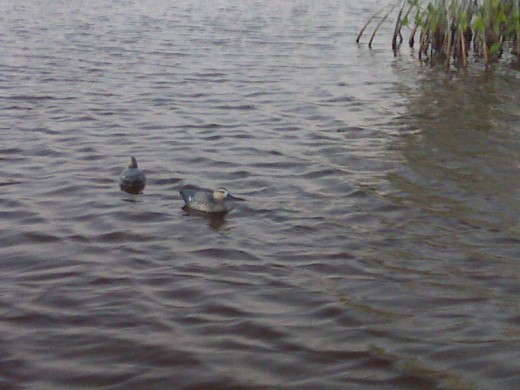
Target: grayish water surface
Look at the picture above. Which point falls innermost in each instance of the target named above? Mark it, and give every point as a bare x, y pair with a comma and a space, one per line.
379, 246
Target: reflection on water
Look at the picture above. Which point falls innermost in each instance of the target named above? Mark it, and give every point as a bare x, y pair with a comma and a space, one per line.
379, 244
215, 220
462, 153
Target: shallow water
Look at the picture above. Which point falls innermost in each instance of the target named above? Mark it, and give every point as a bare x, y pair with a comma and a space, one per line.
379, 245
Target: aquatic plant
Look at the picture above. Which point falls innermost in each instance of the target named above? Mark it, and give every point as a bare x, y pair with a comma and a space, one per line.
450, 30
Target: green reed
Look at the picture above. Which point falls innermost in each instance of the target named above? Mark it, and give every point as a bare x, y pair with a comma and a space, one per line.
451, 30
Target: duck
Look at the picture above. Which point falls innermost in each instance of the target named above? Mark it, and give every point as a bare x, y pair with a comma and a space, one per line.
132, 179
208, 201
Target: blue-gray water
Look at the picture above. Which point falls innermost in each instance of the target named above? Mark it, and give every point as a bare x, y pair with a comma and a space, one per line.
379, 245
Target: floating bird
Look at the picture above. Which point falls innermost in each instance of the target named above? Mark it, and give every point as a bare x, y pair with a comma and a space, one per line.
132, 180
208, 201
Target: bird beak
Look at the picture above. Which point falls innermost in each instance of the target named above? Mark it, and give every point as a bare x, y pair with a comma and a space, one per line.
231, 197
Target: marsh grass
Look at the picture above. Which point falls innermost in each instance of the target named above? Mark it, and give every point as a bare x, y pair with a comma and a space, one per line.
449, 31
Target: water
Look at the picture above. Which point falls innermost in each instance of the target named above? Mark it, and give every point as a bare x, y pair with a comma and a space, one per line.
379, 245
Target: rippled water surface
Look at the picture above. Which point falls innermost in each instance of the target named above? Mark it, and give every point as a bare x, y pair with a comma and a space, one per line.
379, 246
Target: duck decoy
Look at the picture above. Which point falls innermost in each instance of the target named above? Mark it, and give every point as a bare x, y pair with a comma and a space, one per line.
132, 180
208, 201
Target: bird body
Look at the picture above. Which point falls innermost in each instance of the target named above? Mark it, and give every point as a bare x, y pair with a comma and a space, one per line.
132, 180
208, 201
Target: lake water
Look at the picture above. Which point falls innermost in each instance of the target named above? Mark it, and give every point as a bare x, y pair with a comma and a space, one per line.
379, 246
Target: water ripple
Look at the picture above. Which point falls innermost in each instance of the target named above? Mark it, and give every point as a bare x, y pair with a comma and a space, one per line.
377, 247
